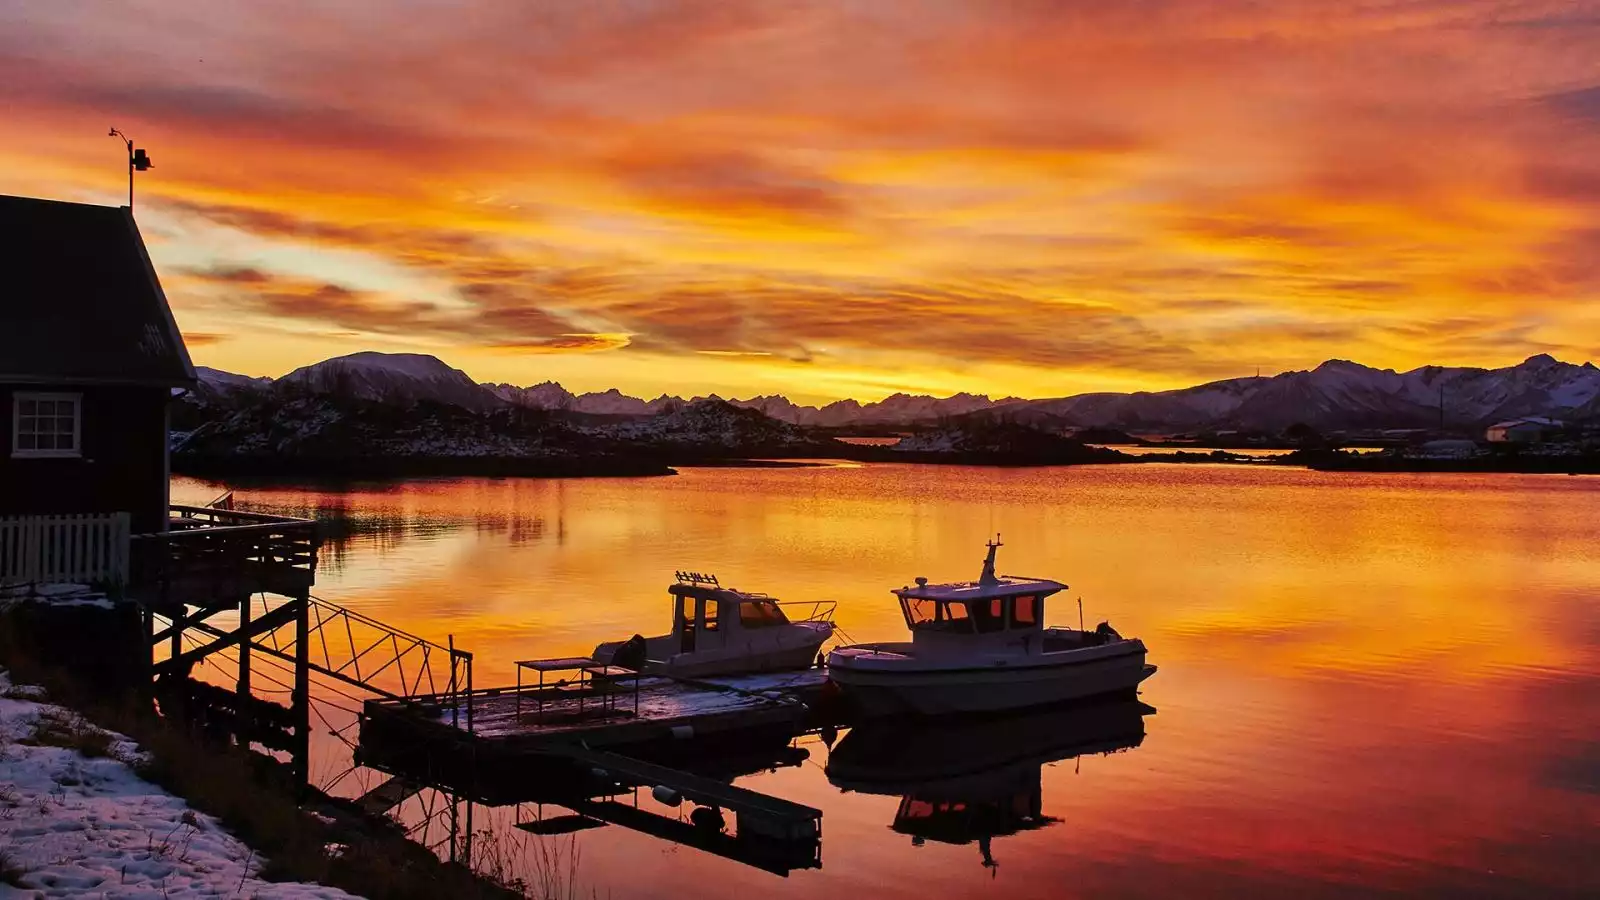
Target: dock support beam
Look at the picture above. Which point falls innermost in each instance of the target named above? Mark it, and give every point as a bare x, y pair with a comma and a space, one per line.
149, 619
302, 690
177, 633
244, 647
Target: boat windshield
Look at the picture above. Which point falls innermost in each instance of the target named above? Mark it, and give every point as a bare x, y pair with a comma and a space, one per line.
936, 615
761, 614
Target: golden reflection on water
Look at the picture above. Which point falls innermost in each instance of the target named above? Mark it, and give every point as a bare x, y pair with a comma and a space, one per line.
1380, 682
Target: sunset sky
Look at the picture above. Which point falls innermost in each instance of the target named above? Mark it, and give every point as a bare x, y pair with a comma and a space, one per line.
832, 199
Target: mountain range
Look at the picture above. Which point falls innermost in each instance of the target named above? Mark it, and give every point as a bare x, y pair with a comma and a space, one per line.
1336, 395
897, 409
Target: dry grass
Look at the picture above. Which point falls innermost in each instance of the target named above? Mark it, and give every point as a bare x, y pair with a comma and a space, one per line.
59, 728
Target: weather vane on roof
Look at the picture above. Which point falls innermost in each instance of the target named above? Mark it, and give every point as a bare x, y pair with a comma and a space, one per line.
138, 160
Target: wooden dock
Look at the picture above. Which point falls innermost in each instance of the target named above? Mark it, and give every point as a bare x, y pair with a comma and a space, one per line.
508, 742
579, 743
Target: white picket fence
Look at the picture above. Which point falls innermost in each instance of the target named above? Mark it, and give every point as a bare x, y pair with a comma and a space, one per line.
82, 548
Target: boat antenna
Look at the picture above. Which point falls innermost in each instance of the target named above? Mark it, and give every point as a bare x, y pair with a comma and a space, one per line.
1080, 612
988, 578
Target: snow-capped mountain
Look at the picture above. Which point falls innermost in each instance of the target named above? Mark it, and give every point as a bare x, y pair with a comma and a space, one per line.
1539, 385
611, 403
398, 378
1183, 409
545, 395
894, 410
897, 409
781, 408
1335, 395
1340, 394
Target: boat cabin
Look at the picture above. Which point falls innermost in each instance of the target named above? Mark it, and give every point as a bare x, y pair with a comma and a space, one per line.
718, 631
705, 615
972, 608
991, 605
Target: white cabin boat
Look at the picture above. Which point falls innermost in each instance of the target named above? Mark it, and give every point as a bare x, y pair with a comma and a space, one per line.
982, 646
717, 630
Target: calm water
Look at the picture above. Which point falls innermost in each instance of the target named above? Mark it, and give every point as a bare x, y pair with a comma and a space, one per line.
1369, 685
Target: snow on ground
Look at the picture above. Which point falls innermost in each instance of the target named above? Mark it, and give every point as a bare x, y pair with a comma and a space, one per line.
89, 827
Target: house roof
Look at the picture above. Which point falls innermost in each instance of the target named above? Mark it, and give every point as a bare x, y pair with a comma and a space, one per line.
81, 303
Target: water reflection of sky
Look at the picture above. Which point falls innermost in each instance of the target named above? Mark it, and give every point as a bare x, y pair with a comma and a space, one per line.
1369, 683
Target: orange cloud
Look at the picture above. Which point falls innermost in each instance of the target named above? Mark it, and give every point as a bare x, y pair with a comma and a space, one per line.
834, 196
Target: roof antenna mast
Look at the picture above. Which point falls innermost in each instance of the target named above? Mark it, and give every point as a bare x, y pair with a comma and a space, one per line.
988, 576
138, 161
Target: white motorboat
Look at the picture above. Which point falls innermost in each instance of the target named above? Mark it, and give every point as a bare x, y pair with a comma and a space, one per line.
717, 630
982, 646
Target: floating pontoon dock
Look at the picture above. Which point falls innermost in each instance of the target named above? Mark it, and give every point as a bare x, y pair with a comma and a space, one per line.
584, 732
475, 738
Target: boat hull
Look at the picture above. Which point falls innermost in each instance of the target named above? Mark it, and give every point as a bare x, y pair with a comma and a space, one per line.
796, 648
956, 691
700, 665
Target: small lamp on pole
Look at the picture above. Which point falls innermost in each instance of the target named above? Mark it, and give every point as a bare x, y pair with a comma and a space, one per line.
138, 161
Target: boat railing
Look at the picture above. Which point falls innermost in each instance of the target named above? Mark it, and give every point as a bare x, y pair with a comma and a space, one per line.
814, 610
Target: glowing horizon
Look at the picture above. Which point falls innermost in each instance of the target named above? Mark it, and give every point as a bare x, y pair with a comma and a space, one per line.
840, 200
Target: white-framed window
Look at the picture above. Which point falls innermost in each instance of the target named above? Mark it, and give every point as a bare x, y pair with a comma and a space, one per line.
46, 424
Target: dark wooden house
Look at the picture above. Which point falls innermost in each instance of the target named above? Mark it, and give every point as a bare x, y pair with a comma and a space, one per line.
89, 360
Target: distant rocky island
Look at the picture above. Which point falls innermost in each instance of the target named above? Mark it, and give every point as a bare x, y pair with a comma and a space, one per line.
387, 415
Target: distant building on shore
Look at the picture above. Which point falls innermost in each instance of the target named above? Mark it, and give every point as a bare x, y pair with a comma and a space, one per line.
1530, 430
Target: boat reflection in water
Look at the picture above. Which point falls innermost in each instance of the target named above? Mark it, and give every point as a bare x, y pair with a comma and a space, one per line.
964, 782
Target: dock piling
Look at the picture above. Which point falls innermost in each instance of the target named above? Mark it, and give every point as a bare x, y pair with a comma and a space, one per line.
244, 647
